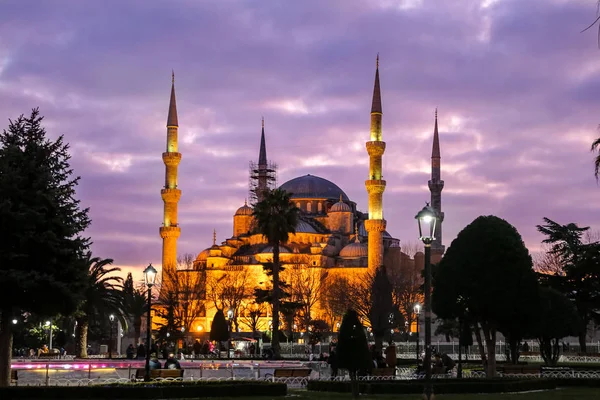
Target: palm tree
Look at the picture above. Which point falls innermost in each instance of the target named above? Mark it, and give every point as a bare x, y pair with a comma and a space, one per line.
275, 218
596, 146
102, 296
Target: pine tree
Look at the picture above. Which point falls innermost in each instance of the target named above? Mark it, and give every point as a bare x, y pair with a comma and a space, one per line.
353, 349
42, 223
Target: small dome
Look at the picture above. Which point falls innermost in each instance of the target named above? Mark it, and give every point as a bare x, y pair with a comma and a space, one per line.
354, 250
203, 255
244, 210
340, 206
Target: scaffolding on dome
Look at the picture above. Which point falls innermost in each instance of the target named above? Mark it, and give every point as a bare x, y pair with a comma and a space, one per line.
262, 177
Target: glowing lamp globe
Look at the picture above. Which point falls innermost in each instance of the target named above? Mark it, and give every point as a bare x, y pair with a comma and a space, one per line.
427, 220
417, 308
150, 276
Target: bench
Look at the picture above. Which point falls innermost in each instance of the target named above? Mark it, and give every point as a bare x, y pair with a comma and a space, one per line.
14, 376
383, 372
522, 369
49, 356
289, 373
140, 373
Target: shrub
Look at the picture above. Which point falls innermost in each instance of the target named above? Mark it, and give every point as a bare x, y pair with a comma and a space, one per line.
154, 390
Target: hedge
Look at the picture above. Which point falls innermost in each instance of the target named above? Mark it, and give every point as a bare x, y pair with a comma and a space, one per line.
440, 386
152, 390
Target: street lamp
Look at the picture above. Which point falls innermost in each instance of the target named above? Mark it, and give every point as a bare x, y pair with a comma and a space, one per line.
14, 321
427, 220
149, 279
230, 328
111, 318
49, 325
417, 309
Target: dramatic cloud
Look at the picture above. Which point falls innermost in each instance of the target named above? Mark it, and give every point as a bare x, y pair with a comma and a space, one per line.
515, 82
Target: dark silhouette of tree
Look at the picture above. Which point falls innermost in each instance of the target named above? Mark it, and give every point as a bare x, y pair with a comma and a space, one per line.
580, 277
275, 218
381, 307
353, 349
557, 319
135, 303
447, 327
219, 329
102, 296
490, 269
43, 225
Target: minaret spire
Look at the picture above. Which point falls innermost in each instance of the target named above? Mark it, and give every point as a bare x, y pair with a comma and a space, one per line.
262, 154
436, 185
172, 117
376, 106
375, 185
170, 231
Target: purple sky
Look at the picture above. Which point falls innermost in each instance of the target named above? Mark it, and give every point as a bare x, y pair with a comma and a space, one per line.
515, 82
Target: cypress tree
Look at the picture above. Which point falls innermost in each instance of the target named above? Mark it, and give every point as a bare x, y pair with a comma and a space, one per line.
353, 349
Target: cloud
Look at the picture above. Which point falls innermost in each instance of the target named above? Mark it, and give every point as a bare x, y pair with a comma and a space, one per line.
515, 84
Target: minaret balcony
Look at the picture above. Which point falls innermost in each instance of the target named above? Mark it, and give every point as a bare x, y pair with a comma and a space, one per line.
436, 186
170, 195
171, 158
375, 225
375, 148
375, 185
170, 231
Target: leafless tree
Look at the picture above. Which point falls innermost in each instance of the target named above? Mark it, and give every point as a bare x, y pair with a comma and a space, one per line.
181, 298
411, 248
547, 262
229, 289
406, 287
305, 287
251, 316
335, 298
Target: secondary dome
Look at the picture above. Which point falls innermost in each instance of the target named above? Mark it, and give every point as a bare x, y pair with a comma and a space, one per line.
354, 250
203, 255
340, 206
313, 187
244, 210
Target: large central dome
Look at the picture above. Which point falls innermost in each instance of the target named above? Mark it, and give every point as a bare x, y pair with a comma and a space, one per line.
313, 187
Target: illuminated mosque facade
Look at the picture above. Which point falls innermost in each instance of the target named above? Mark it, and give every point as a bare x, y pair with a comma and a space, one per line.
332, 236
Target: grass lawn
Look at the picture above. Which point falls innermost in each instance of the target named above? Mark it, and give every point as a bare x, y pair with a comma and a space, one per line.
559, 394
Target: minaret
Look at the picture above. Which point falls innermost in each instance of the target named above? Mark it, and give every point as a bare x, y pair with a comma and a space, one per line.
436, 184
170, 230
375, 185
263, 175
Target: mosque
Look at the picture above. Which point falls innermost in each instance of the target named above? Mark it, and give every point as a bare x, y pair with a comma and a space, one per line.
332, 236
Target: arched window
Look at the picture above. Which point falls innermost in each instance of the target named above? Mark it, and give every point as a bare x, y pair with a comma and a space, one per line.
309, 207
320, 207
298, 204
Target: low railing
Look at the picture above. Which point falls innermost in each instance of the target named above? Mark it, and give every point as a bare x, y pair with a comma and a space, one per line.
230, 372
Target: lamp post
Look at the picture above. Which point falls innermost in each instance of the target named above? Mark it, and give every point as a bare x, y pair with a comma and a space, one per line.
427, 219
417, 309
49, 325
111, 318
149, 279
230, 328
